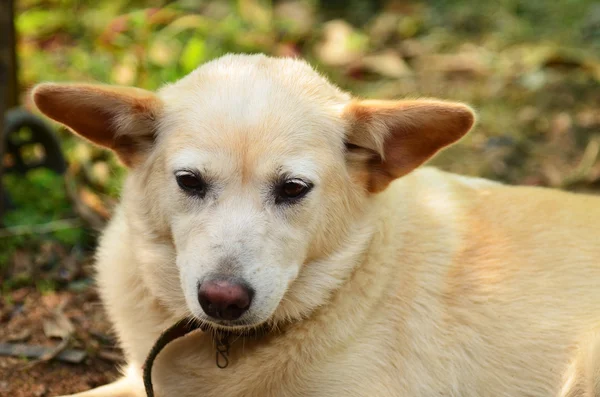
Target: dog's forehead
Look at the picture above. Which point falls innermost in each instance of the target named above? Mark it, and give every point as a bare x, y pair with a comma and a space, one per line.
239, 73
251, 108
252, 94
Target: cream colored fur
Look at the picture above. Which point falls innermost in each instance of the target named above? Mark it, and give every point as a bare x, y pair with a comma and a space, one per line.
433, 285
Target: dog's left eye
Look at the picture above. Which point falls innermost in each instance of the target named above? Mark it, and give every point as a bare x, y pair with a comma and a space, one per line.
191, 182
291, 190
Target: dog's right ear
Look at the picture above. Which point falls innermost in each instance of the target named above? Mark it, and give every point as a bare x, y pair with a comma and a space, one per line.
122, 119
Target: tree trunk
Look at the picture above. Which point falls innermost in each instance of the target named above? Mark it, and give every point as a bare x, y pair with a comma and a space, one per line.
8, 75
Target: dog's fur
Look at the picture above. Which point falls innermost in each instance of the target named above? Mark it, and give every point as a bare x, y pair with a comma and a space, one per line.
381, 281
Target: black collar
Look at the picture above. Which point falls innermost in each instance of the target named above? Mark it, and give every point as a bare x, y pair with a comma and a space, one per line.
184, 327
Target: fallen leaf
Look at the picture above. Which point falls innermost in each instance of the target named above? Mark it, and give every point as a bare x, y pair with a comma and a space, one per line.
91, 200
561, 124
528, 114
383, 27
51, 301
110, 356
298, 17
125, 72
288, 50
387, 63
40, 390
588, 118
411, 48
22, 264
19, 295
341, 44
20, 336
58, 325
255, 12
470, 63
100, 172
164, 51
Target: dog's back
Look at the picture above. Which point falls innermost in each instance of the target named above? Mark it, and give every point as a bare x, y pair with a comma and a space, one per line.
504, 283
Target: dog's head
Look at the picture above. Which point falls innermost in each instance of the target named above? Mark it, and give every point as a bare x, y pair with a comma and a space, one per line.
255, 170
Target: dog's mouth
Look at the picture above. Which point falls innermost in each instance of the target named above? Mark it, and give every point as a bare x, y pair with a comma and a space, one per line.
239, 327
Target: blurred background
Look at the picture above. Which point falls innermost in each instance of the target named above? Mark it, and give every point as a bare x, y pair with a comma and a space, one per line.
530, 68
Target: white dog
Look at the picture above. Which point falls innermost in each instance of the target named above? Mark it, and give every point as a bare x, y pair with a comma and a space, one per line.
260, 195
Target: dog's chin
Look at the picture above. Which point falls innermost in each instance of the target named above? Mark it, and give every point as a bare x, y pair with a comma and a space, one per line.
241, 326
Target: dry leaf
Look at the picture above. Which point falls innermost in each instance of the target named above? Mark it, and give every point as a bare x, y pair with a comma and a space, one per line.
20, 336
58, 325
298, 15
341, 44
91, 200
387, 63
465, 63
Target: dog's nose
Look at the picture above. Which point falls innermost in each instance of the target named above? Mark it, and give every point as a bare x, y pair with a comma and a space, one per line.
224, 299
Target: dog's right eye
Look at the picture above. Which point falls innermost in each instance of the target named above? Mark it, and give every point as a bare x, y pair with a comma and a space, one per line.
191, 183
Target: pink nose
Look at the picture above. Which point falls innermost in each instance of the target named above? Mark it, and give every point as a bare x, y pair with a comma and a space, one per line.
224, 299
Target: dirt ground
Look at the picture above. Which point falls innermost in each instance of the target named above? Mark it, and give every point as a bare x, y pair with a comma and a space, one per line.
35, 319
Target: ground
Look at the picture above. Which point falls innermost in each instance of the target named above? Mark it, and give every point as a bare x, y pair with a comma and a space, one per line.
530, 69
28, 318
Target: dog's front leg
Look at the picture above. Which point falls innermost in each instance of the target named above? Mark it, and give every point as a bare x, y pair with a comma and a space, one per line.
130, 385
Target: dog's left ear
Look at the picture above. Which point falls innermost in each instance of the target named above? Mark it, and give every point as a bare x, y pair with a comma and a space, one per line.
392, 138
122, 119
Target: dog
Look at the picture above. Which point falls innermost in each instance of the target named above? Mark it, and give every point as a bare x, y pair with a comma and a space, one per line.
261, 196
